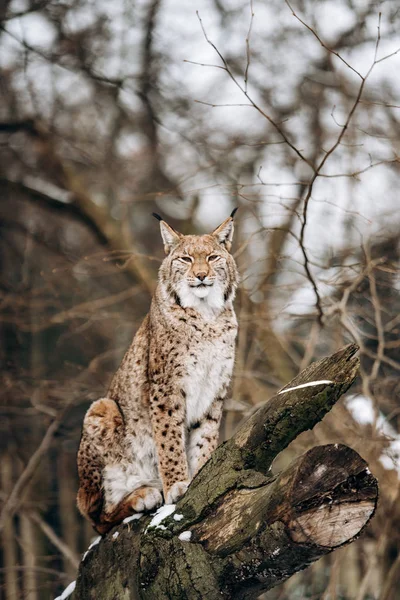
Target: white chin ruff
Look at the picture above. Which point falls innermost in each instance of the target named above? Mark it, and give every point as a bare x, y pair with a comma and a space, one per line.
201, 291
207, 300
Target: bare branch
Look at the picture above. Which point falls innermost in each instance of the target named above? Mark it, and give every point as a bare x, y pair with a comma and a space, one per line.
55, 539
248, 52
253, 103
16, 496
321, 42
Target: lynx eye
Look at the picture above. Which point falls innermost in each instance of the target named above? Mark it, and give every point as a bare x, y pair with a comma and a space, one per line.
185, 259
213, 257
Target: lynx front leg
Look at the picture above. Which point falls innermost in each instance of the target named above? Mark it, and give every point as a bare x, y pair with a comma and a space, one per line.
204, 437
168, 421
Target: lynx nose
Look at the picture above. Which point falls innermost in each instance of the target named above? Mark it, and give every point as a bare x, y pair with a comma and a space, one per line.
201, 276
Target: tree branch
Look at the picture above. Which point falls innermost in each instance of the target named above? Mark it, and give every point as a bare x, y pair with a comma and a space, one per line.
240, 530
109, 229
14, 500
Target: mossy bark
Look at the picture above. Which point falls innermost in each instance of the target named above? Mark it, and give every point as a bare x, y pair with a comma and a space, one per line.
249, 530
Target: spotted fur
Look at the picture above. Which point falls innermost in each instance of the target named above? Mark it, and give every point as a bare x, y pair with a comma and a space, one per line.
159, 423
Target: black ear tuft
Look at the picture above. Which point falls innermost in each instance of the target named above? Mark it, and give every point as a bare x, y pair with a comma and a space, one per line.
232, 213
157, 217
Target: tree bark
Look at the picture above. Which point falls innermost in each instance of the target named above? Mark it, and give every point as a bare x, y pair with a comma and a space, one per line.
240, 530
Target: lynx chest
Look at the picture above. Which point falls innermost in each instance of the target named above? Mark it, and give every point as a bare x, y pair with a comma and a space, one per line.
209, 366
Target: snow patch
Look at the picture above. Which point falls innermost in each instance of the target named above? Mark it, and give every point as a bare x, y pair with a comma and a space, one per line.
95, 542
185, 536
362, 409
390, 457
304, 385
178, 517
162, 513
67, 592
363, 412
387, 462
92, 545
115, 535
276, 552
132, 518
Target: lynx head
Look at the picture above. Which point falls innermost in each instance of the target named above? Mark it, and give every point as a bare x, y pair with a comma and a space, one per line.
199, 271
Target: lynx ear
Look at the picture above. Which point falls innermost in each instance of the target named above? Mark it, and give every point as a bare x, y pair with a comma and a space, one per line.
224, 233
169, 235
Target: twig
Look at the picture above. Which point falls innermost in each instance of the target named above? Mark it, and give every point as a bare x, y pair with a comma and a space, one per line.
380, 354
53, 60
221, 105
320, 167
84, 310
321, 42
248, 53
316, 170
226, 68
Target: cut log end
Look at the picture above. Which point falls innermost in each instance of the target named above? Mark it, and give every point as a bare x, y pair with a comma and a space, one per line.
333, 496
331, 526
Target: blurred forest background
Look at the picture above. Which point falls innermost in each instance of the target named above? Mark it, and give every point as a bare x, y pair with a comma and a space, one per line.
110, 110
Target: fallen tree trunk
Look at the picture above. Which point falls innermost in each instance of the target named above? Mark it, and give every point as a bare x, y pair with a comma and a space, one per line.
241, 530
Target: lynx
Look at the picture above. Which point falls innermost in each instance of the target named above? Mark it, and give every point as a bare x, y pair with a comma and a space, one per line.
160, 420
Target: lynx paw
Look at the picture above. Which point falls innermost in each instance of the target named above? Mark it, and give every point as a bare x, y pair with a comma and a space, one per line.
145, 499
176, 491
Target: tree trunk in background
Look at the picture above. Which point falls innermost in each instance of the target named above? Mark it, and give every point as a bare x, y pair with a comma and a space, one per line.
9, 542
241, 530
29, 553
66, 465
